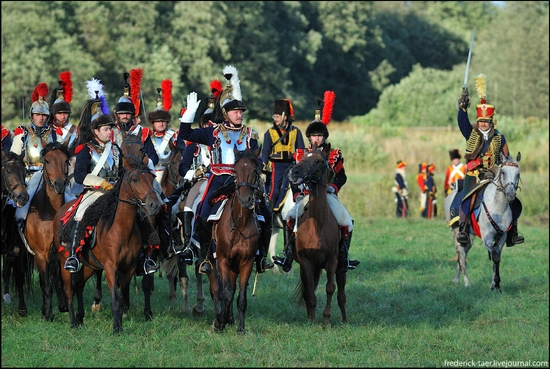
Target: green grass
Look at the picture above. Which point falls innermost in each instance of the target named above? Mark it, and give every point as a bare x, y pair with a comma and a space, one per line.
403, 311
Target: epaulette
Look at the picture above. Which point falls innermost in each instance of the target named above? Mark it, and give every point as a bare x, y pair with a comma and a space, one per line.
79, 148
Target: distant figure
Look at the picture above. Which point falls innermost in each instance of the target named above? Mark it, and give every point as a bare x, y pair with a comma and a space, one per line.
430, 190
420, 181
401, 190
455, 171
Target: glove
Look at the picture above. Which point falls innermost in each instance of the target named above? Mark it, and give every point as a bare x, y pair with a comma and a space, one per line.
299, 198
106, 185
189, 175
464, 100
192, 107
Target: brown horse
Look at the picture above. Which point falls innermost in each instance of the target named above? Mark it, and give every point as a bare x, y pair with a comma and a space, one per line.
14, 189
38, 230
317, 236
237, 237
117, 236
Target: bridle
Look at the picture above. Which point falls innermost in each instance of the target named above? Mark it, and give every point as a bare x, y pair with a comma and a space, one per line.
173, 175
7, 185
47, 177
502, 187
128, 178
246, 204
315, 176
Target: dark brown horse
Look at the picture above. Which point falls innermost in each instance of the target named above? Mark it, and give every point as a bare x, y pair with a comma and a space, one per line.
237, 237
38, 229
317, 236
117, 236
14, 189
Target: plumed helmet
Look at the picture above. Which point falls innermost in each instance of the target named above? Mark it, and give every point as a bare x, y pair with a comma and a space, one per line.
103, 120
124, 104
455, 154
93, 109
39, 104
484, 111
164, 103
319, 126
216, 88
62, 95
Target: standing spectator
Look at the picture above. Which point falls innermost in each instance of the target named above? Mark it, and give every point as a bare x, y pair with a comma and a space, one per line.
430, 207
401, 190
456, 171
421, 181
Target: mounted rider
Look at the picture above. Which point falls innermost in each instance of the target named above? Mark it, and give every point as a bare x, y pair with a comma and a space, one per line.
317, 133
484, 144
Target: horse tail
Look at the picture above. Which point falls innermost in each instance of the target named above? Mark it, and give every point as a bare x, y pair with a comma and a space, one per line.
54, 268
26, 260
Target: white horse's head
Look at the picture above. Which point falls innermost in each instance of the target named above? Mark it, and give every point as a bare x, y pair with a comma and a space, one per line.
507, 179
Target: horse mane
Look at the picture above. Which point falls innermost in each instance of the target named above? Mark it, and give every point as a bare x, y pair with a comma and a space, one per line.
166, 175
55, 146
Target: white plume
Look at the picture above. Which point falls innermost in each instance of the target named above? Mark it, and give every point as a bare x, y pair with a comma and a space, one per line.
235, 82
94, 85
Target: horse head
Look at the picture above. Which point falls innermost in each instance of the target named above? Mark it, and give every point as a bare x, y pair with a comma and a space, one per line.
508, 176
55, 166
247, 176
133, 150
13, 178
136, 188
313, 168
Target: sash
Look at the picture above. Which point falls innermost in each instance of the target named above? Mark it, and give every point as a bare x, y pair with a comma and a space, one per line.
103, 158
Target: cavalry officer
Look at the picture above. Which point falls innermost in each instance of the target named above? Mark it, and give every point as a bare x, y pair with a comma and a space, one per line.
63, 131
317, 133
484, 144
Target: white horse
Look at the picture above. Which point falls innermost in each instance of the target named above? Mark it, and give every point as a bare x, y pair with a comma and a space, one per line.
494, 218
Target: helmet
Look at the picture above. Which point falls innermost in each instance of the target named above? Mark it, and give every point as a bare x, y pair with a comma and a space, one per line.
319, 126
63, 94
164, 103
39, 105
124, 104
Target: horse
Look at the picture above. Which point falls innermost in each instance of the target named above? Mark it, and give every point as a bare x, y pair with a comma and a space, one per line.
491, 220
236, 235
115, 244
317, 236
14, 189
38, 225
175, 267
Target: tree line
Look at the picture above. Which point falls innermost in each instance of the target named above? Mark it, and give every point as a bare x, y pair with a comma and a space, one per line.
400, 62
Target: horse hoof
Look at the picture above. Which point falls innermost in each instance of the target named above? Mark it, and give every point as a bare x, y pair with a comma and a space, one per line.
7, 298
23, 313
198, 311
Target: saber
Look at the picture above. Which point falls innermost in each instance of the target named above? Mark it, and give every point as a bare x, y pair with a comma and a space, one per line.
255, 285
143, 105
465, 86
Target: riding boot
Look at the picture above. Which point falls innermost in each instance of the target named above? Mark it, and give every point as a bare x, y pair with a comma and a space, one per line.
186, 218
149, 266
72, 264
265, 237
204, 230
343, 255
513, 237
165, 232
463, 238
290, 248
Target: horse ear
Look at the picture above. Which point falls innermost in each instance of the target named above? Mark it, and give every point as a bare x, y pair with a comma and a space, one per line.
327, 148
518, 157
256, 152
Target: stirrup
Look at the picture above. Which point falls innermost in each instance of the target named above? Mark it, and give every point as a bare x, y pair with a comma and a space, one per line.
353, 263
462, 238
279, 260
176, 248
205, 267
149, 266
187, 255
72, 264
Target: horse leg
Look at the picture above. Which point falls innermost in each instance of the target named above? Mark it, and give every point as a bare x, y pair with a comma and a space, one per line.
495, 284
462, 252
98, 294
226, 299
273, 244
184, 283
147, 287
46, 288
7, 267
198, 309
19, 279
79, 289
308, 291
242, 302
215, 294
329, 288
341, 277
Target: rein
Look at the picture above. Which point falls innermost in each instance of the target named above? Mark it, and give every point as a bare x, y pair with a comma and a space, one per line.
52, 183
311, 176
11, 189
255, 190
134, 200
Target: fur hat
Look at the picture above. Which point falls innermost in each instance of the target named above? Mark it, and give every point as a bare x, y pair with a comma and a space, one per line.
164, 103
62, 95
455, 154
484, 111
283, 106
39, 104
319, 126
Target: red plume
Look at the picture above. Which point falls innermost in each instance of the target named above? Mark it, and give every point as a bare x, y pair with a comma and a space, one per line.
135, 87
290, 108
328, 100
166, 87
40, 90
65, 78
216, 88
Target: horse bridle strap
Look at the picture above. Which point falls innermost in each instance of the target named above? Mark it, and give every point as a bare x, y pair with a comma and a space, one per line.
136, 201
493, 223
502, 187
10, 189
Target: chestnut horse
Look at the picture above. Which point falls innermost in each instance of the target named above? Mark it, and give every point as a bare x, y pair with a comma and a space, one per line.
14, 189
237, 236
38, 229
117, 236
317, 236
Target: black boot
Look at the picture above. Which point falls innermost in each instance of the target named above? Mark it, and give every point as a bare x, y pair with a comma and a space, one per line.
513, 237
149, 266
343, 255
288, 253
204, 230
187, 220
265, 237
463, 238
165, 232
72, 264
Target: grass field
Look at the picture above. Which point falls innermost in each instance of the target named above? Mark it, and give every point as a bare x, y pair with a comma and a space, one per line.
403, 311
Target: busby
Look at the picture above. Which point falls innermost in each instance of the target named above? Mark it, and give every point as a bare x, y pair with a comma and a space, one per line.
484, 111
401, 164
455, 154
124, 104
319, 125
62, 95
39, 104
164, 103
283, 106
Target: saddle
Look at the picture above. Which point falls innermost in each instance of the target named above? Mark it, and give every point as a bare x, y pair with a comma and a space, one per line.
475, 194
